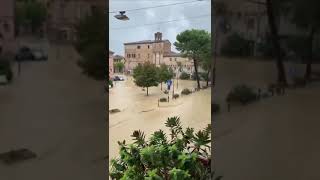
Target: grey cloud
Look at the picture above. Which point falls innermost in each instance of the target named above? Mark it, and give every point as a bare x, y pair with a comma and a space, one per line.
170, 30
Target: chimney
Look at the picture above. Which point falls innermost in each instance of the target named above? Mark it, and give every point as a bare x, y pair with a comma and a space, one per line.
158, 36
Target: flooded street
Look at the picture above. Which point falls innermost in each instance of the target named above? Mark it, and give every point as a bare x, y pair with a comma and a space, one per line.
270, 138
139, 111
58, 113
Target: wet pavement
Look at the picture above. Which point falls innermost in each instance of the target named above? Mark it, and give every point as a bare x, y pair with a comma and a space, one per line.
58, 113
272, 139
139, 111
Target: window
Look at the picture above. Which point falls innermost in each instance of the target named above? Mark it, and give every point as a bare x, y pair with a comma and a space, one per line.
148, 46
129, 55
170, 59
251, 23
175, 59
6, 27
139, 47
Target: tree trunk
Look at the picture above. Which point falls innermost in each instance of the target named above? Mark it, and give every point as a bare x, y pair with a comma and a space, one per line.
196, 71
310, 56
208, 74
147, 91
276, 43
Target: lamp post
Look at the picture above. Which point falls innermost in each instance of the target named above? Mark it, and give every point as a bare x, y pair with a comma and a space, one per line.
121, 16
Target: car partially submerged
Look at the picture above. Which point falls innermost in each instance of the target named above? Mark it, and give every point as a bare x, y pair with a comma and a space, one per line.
27, 54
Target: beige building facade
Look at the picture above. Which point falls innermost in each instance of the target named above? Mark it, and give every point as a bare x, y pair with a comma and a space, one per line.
110, 62
63, 15
7, 27
249, 20
157, 51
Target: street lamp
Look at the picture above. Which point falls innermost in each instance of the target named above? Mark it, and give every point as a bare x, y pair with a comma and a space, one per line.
122, 16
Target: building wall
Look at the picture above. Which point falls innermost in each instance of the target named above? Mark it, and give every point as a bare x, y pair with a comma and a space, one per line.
250, 21
7, 27
147, 52
63, 15
186, 64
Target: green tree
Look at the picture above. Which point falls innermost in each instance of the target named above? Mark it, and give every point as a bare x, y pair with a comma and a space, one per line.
192, 43
91, 45
207, 61
31, 13
146, 75
164, 73
184, 155
306, 16
119, 66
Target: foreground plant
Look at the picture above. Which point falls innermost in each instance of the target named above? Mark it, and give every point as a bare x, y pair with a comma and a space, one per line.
185, 155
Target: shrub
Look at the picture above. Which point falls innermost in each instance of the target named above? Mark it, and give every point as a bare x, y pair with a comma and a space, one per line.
242, 94
235, 46
175, 96
215, 108
5, 69
184, 155
299, 81
163, 99
114, 111
166, 92
184, 76
110, 83
186, 91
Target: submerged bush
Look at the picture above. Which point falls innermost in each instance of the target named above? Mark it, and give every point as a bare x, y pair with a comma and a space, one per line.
215, 108
163, 99
184, 155
186, 91
184, 76
242, 94
175, 96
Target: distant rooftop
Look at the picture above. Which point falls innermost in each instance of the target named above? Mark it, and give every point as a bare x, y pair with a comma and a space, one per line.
172, 54
118, 57
147, 42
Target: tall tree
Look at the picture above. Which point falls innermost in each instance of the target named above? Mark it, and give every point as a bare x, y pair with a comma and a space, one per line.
207, 62
91, 45
306, 15
146, 76
119, 66
271, 11
164, 73
192, 43
31, 13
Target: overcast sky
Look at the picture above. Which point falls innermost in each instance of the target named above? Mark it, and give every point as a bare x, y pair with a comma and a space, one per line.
149, 16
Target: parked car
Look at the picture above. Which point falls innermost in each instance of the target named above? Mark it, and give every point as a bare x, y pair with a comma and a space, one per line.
27, 54
118, 78
39, 55
24, 53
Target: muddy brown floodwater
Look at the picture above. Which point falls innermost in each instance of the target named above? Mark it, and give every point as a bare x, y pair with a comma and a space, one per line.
139, 111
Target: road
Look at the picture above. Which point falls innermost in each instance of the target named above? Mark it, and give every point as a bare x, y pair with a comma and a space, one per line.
276, 138
139, 111
58, 113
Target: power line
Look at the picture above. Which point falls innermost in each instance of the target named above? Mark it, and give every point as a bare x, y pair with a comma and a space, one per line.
152, 7
161, 22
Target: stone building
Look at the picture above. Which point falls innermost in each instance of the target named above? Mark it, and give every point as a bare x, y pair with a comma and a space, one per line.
7, 27
157, 51
118, 59
249, 20
63, 15
111, 69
